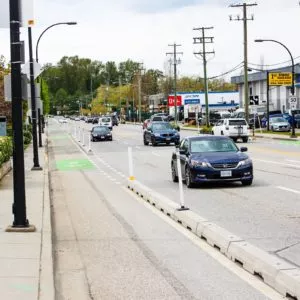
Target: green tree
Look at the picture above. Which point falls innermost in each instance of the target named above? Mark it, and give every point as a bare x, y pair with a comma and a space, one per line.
45, 97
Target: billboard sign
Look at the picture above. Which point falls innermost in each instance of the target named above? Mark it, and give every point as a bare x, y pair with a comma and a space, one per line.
171, 100
280, 79
191, 99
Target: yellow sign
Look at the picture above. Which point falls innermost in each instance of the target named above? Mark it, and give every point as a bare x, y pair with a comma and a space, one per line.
280, 79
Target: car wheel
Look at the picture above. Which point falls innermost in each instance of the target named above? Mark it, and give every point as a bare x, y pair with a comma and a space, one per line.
188, 178
153, 142
247, 182
245, 139
212, 133
174, 175
222, 133
234, 139
146, 143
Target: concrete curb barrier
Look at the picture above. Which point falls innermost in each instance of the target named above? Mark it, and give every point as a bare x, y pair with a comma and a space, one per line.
274, 271
5, 168
46, 283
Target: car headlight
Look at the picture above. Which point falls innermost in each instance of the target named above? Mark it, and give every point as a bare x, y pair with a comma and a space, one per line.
156, 134
245, 162
196, 163
109, 133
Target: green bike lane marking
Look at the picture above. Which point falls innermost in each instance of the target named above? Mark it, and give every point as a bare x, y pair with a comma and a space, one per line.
290, 142
74, 165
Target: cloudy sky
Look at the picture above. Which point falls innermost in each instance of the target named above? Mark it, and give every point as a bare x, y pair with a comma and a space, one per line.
141, 30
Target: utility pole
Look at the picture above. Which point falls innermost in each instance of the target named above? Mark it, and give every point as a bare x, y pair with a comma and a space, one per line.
204, 40
140, 90
175, 63
245, 19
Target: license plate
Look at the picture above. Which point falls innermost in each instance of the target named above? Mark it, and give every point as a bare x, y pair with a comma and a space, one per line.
168, 139
226, 173
102, 137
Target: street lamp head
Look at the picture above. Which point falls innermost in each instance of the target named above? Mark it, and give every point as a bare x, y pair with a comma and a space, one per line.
258, 41
71, 23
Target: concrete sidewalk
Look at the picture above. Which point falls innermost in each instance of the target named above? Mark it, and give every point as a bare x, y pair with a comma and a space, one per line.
26, 266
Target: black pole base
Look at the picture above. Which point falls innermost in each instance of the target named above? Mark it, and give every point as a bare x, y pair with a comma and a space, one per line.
293, 136
182, 208
19, 228
36, 168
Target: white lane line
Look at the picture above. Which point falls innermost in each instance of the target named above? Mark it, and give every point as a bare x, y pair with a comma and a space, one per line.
292, 160
215, 254
154, 153
288, 190
276, 163
137, 147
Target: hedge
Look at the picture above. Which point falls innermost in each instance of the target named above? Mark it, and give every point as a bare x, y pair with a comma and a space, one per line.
6, 149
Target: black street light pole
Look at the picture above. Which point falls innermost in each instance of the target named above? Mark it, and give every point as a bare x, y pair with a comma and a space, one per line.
293, 75
36, 164
20, 222
38, 41
37, 60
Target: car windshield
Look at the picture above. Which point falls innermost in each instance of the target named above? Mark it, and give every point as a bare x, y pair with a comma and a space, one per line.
237, 122
277, 120
161, 126
216, 145
157, 118
100, 129
105, 120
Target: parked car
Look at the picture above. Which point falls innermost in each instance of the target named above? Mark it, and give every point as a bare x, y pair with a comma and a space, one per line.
106, 121
101, 133
212, 159
279, 124
89, 120
160, 132
234, 128
95, 120
77, 119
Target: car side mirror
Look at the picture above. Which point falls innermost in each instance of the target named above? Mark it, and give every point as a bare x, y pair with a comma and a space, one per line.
244, 149
182, 151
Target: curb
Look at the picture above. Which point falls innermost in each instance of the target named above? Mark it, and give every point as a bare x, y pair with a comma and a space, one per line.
5, 168
46, 282
272, 270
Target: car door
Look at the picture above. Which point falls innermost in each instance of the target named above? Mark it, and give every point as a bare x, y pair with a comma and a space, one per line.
217, 129
184, 155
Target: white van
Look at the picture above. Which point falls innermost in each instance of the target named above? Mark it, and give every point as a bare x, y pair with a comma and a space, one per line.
233, 127
106, 121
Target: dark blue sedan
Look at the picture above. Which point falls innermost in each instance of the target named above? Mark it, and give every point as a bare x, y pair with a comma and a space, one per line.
212, 159
160, 132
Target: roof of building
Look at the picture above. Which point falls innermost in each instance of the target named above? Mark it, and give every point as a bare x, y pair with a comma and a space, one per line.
262, 75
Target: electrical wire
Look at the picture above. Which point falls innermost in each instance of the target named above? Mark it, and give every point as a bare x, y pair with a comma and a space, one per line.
240, 65
277, 64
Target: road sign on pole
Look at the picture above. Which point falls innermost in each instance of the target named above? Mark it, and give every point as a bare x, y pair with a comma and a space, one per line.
280, 78
293, 102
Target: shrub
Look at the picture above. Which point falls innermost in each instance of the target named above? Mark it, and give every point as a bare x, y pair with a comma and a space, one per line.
206, 129
27, 137
6, 149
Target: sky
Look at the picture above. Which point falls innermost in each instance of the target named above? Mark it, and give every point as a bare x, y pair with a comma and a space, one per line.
141, 30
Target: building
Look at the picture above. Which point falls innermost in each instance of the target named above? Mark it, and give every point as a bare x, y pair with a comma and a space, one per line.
278, 95
190, 103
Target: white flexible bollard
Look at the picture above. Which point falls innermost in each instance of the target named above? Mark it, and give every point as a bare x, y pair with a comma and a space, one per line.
82, 136
181, 194
130, 164
89, 149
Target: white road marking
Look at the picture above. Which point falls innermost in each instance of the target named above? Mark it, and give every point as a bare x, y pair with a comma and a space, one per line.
215, 254
288, 190
275, 162
137, 147
291, 160
154, 153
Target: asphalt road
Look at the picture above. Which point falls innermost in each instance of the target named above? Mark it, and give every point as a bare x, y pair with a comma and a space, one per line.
266, 213
111, 245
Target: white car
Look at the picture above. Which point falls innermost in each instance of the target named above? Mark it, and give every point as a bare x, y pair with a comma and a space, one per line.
106, 121
63, 120
234, 128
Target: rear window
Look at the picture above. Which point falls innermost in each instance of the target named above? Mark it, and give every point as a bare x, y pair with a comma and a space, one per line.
105, 120
237, 122
157, 119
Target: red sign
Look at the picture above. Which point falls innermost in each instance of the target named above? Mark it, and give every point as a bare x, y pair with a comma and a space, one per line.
171, 100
